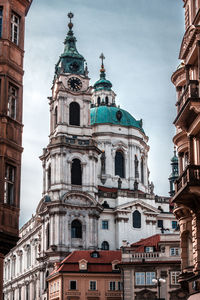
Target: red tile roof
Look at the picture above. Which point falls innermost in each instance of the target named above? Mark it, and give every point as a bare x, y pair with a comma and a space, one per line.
151, 241
101, 264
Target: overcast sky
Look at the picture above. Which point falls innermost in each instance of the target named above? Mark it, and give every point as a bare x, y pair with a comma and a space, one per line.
141, 42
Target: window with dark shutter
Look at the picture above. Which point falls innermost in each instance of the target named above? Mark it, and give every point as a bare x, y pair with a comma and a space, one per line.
105, 245
136, 219
76, 173
74, 114
76, 229
119, 164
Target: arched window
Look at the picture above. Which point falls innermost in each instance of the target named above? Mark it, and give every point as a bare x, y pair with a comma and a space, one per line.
106, 99
142, 170
47, 237
105, 245
76, 172
74, 114
136, 219
98, 100
76, 229
119, 164
55, 117
49, 177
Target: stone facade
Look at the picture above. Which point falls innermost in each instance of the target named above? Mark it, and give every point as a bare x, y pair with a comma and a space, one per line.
96, 190
187, 187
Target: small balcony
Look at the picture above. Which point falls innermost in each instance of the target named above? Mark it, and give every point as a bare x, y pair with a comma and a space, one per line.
187, 186
189, 98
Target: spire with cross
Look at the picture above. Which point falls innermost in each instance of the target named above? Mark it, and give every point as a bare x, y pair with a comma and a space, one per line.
70, 16
102, 57
102, 83
70, 61
102, 70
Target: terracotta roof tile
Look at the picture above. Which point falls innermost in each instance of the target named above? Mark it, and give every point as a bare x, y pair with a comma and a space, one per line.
101, 264
151, 241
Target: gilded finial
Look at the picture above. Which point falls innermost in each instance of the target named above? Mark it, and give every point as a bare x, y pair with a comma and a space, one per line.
102, 57
70, 16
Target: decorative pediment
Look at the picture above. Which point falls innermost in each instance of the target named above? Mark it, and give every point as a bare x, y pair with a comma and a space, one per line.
79, 199
130, 206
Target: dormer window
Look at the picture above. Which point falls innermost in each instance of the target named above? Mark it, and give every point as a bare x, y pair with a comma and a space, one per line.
83, 265
94, 254
148, 249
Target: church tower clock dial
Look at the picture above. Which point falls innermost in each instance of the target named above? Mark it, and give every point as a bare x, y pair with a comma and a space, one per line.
74, 84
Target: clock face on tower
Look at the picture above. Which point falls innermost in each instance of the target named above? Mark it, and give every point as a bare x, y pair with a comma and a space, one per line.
74, 84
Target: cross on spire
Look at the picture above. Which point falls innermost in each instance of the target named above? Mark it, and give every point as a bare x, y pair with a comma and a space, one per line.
102, 57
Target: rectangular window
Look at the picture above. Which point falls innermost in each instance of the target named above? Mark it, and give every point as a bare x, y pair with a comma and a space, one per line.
1, 20
9, 185
104, 224
144, 278
12, 101
174, 277
149, 277
160, 223
72, 285
112, 286
93, 285
148, 249
174, 224
119, 286
174, 251
15, 28
140, 278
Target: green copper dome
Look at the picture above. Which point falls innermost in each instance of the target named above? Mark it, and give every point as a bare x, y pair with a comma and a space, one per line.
113, 115
102, 84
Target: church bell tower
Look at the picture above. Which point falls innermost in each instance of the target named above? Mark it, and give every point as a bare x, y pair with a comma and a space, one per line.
71, 157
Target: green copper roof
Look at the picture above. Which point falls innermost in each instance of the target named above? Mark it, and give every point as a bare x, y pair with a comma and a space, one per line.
113, 115
102, 83
70, 61
174, 158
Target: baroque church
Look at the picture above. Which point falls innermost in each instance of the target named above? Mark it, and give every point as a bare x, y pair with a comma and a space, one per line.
96, 189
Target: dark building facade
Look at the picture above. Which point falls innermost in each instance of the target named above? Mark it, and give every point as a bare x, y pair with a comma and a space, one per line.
187, 139
12, 19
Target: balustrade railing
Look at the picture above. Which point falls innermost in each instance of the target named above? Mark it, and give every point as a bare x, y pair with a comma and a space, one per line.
191, 91
191, 176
